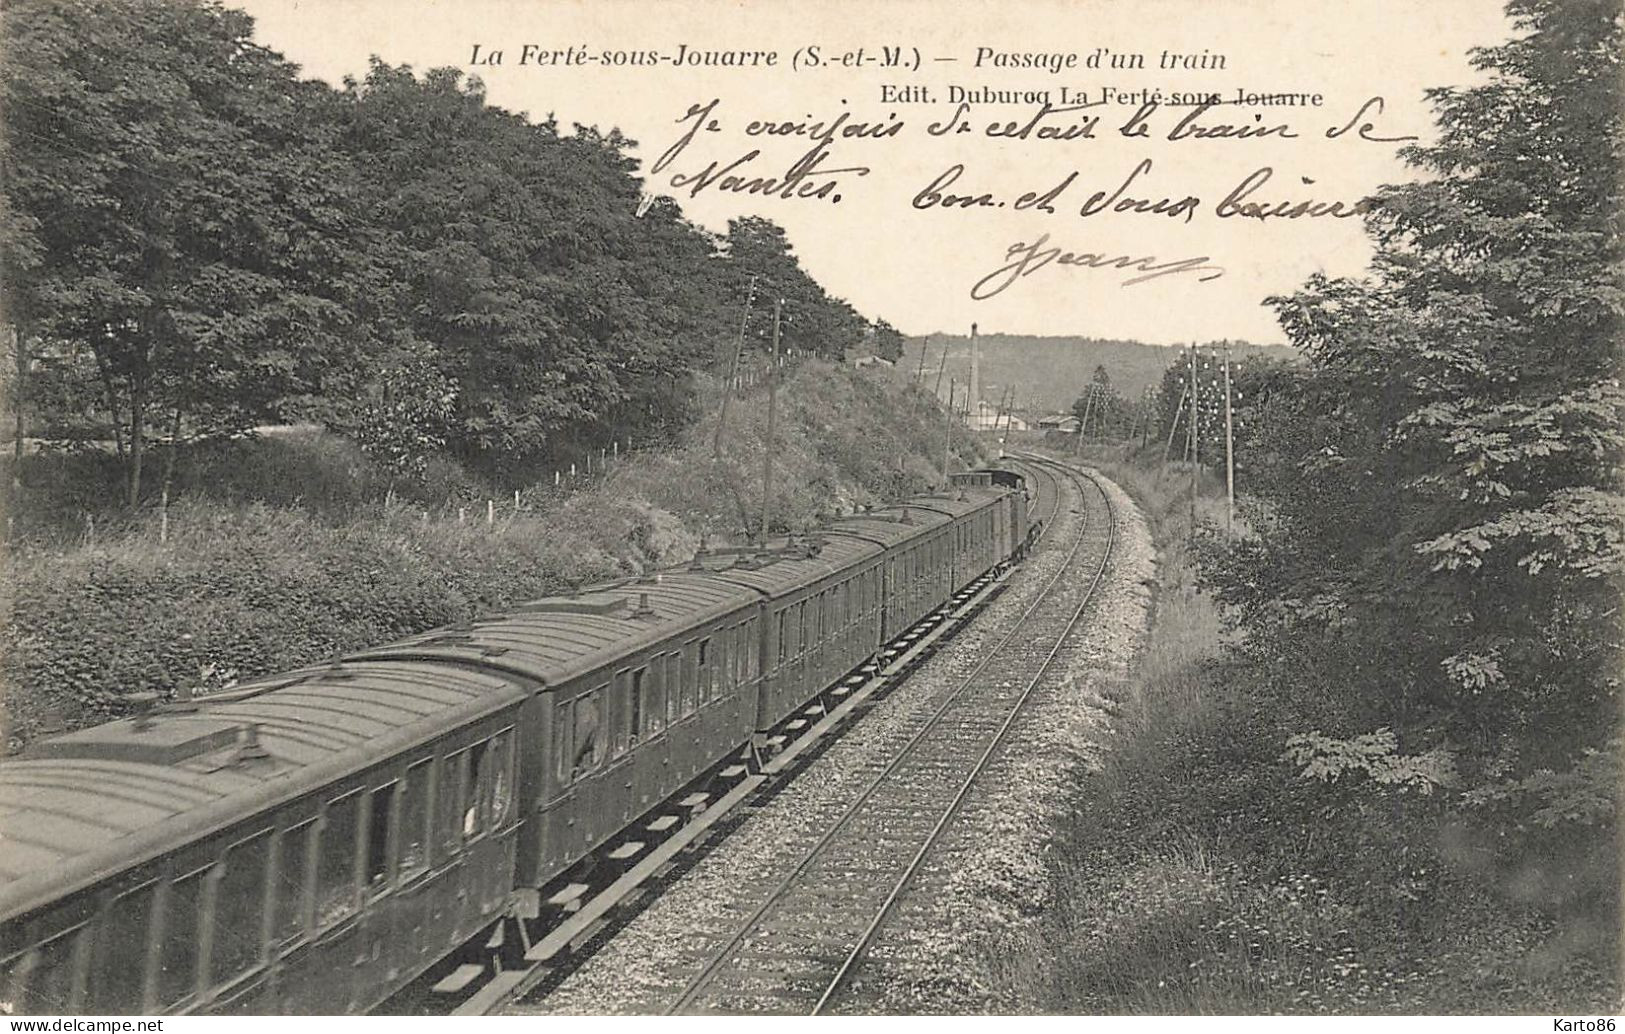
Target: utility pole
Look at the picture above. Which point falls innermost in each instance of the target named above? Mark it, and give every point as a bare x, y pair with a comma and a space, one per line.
733, 371
937, 389
919, 374
1173, 428
1196, 456
948, 428
1229, 452
1088, 400
772, 400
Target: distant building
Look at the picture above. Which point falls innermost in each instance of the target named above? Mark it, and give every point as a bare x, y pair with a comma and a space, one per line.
871, 360
986, 416
1059, 422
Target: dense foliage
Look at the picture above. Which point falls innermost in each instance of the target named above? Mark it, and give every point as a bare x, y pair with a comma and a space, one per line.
1435, 583
197, 242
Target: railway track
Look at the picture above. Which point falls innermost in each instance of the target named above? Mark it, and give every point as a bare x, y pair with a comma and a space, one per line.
802, 949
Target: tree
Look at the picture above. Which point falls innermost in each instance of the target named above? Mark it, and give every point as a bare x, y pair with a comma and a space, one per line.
814, 322
517, 257
172, 207
888, 341
1445, 535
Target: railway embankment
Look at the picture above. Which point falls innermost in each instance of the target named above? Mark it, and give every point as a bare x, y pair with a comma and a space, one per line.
1195, 870
290, 549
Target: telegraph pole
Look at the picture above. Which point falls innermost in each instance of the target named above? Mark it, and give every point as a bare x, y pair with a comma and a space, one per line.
1229, 452
919, 374
1173, 428
772, 399
733, 371
1088, 400
948, 428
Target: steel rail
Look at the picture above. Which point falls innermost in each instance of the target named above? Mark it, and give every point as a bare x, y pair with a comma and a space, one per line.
867, 937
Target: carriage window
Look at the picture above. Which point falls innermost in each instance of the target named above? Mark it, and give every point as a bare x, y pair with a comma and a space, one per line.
703, 671
587, 734
654, 699
752, 658
177, 977
721, 666
687, 687
335, 862
801, 628
674, 682
783, 644
121, 978
562, 727
637, 715
448, 806
239, 909
501, 780
40, 980
378, 836
293, 868
476, 786
414, 833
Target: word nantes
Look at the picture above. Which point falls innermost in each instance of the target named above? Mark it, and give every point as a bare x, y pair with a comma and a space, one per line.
806, 177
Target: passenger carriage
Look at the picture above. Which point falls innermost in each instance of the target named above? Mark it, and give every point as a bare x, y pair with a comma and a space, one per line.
300, 846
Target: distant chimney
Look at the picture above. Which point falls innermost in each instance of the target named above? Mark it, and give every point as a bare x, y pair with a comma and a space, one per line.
975, 376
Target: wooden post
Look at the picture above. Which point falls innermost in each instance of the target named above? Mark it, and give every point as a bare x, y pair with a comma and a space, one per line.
772, 401
1088, 400
919, 374
1179, 413
1229, 453
733, 371
948, 427
941, 367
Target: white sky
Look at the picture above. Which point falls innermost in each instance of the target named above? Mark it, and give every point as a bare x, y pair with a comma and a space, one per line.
916, 268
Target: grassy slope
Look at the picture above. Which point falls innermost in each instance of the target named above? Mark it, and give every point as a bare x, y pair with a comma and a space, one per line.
286, 552
1197, 873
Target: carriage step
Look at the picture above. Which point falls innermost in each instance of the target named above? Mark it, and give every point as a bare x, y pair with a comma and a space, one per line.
630, 849
458, 979
568, 895
694, 803
733, 772
795, 725
662, 824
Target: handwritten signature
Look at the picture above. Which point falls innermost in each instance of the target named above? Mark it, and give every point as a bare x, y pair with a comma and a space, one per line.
1023, 259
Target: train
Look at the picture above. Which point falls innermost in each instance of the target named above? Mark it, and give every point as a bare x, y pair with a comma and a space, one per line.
316, 841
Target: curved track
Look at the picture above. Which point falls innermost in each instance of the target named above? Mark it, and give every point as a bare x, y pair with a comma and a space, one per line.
798, 950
